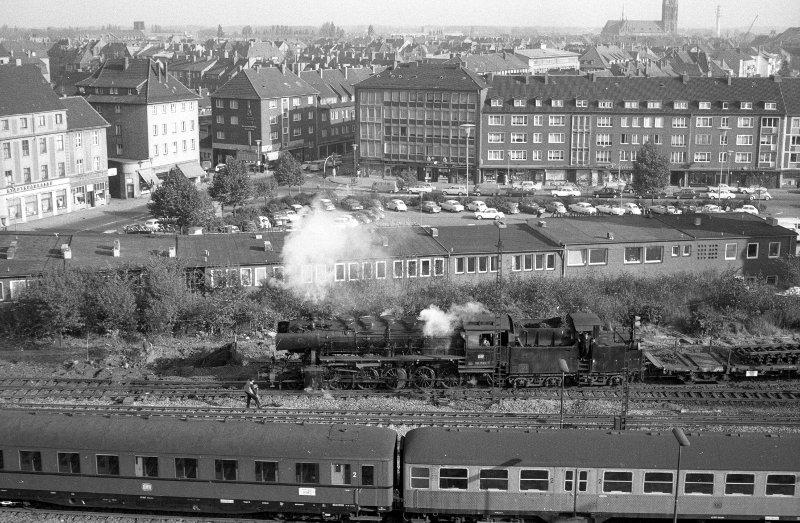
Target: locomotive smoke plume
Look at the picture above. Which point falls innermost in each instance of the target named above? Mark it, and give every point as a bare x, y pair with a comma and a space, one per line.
443, 323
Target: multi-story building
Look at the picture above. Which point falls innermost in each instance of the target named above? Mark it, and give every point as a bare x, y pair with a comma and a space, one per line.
588, 130
420, 118
153, 123
542, 60
52, 150
260, 113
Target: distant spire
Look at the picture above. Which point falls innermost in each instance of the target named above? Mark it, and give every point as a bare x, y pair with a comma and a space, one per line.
623, 12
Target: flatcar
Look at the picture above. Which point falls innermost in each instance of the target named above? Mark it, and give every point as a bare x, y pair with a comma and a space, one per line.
231, 467
369, 352
557, 475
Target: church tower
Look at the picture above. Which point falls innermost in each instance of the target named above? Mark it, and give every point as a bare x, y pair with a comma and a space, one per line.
669, 16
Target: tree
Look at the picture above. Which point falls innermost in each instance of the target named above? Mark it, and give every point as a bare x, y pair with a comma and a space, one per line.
53, 303
178, 201
220, 32
288, 172
370, 31
247, 31
650, 170
231, 185
265, 188
406, 178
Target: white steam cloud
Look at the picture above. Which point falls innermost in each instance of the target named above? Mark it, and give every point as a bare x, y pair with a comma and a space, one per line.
443, 323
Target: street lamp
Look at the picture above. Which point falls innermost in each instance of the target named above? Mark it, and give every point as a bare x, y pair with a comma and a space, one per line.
500, 224
564, 370
682, 442
355, 163
468, 129
258, 155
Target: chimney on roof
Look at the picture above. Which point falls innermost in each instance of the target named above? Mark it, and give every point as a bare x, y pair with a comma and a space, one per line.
776, 78
697, 221
171, 252
66, 252
126, 63
546, 78
729, 79
384, 241
610, 235
434, 232
685, 78
267, 245
527, 79
11, 252
117, 249
489, 78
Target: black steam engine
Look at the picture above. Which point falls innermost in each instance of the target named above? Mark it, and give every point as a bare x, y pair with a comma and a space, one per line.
385, 351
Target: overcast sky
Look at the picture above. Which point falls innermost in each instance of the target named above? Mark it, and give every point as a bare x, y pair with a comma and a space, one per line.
430, 13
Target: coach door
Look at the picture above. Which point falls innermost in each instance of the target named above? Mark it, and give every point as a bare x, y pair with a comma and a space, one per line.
576, 481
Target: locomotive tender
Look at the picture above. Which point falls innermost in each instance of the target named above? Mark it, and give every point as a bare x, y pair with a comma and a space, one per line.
369, 352
355, 473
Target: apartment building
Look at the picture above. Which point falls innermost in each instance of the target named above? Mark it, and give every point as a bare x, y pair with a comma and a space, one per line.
588, 130
153, 123
52, 150
420, 118
260, 113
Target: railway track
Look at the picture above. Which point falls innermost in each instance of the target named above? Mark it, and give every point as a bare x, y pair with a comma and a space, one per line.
424, 418
67, 515
138, 391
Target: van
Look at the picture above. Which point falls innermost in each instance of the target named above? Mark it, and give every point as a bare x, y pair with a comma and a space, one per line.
389, 186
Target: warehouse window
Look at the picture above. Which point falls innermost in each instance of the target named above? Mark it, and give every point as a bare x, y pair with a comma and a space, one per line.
781, 484
471, 264
397, 266
146, 466
598, 256
576, 257
653, 254
367, 475
740, 484
483, 263
30, 460
340, 474
420, 477
617, 482
338, 272
266, 471
658, 482
633, 255
411, 265
730, 251
107, 465
307, 473
460, 265
438, 266
493, 479
424, 268
774, 249
186, 468
453, 479
69, 462
352, 271
534, 480
698, 483
226, 469
380, 270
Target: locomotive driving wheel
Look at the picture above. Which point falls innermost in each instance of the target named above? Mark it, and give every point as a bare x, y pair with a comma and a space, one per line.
449, 380
519, 383
552, 381
367, 379
424, 377
395, 377
332, 380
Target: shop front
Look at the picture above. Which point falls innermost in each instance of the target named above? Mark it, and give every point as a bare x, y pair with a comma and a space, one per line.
34, 201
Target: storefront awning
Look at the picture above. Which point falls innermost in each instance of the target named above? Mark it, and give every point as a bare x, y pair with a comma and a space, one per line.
149, 178
192, 170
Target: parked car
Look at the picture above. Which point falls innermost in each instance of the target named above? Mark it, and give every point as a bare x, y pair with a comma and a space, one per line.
527, 186
720, 187
326, 205
430, 207
452, 206
555, 207
455, 190
361, 217
389, 186
664, 209
263, 222
686, 193
220, 167
760, 194
376, 204
566, 190
489, 213
352, 205
607, 208
721, 195
420, 188
631, 208
375, 213
747, 208
230, 229
711, 208
509, 207
476, 205
606, 192
493, 190
582, 208
152, 225
530, 207
652, 195
248, 226
396, 205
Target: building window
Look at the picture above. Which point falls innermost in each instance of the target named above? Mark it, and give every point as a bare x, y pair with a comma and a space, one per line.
744, 139
739, 484
730, 251
581, 103
557, 103
496, 102
704, 105
117, 108
6, 150
770, 106
107, 465
723, 140
676, 250
702, 139
745, 122
518, 119
617, 482
774, 250
556, 137
555, 156
471, 264
653, 254
752, 251
603, 140
518, 155
538, 120
631, 104
603, 121
495, 119
598, 256
576, 257
604, 156
537, 137
397, 268
494, 154
702, 157
743, 157
226, 469
44, 171
220, 135
633, 255
518, 137
26, 148
495, 137
557, 121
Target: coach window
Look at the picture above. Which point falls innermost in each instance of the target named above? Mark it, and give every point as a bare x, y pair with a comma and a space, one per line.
633, 255
107, 465
453, 479
424, 268
781, 484
534, 480
774, 250
266, 471
752, 251
471, 264
226, 469
617, 482
420, 477
340, 474
653, 254
460, 265
730, 251
740, 484
146, 466
307, 473
186, 468
367, 475
338, 272
493, 479
30, 460
658, 482
698, 483
69, 462
397, 267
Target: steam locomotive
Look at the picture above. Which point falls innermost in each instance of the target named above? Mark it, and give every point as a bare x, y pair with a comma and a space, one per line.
489, 349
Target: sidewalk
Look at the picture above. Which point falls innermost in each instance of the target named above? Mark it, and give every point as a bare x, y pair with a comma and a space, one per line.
114, 210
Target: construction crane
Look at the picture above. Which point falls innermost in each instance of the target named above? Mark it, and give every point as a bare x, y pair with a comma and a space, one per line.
744, 36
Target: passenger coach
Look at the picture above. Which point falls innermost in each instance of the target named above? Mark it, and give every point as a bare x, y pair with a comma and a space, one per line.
219, 466
494, 474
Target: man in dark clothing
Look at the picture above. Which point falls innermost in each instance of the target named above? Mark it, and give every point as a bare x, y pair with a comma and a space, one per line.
251, 390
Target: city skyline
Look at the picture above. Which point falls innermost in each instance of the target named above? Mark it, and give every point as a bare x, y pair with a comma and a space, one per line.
693, 14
